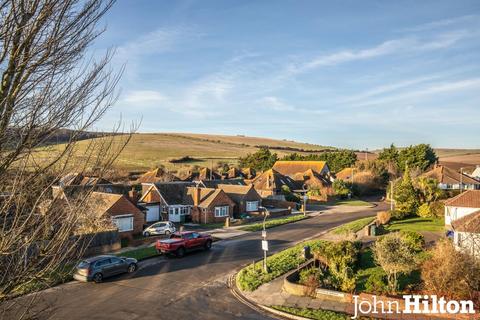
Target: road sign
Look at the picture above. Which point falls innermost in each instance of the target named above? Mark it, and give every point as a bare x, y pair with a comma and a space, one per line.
264, 245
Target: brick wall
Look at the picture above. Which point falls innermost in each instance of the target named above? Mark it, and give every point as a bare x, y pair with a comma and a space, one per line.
124, 206
198, 215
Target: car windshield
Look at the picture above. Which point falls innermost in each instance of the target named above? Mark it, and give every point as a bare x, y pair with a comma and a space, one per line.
83, 265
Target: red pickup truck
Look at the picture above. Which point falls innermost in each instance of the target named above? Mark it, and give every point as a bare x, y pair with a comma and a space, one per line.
181, 242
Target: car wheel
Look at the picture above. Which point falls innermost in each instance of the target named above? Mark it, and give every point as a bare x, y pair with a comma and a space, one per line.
180, 252
146, 234
167, 232
132, 267
98, 277
208, 245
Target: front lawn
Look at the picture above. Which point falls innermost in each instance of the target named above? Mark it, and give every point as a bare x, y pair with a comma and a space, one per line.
140, 254
353, 226
317, 314
273, 223
417, 224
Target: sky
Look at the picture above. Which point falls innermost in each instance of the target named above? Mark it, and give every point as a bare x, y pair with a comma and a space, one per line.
352, 74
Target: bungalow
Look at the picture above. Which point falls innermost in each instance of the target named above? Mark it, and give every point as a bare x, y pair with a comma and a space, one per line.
269, 184
165, 201
292, 168
461, 205
246, 198
209, 205
314, 181
449, 179
126, 216
467, 233
345, 174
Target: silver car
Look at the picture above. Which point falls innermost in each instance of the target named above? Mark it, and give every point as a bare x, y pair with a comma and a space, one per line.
100, 267
164, 227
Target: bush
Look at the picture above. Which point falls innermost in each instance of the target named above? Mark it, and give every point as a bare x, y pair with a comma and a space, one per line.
424, 211
341, 188
383, 217
450, 273
398, 215
413, 239
377, 283
310, 278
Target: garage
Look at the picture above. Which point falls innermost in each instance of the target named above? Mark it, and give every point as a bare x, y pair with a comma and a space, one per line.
153, 213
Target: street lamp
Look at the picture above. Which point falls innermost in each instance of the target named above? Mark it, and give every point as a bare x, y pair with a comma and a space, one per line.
264, 241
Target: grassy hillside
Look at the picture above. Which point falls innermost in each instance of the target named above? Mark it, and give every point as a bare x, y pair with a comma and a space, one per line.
146, 151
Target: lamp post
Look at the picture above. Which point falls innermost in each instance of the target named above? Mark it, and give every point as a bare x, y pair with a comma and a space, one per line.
265, 242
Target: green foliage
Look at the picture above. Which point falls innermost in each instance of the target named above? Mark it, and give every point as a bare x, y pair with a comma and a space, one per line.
336, 160
428, 190
316, 314
273, 223
406, 198
431, 210
341, 188
414, 240
307, 273
353, 226
261, 160
419, 156
396, 257
289, 196
253, 276
377, 283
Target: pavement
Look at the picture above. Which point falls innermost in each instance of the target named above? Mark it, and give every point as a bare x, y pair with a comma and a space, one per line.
195, 286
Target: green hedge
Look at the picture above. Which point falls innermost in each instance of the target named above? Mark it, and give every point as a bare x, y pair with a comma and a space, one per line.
316, 314
253, 276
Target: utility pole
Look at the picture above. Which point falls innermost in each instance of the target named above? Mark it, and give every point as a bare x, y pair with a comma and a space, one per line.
461, 180
265, 242
391, 195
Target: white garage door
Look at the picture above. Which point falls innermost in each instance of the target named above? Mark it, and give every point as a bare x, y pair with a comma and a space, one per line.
153, 213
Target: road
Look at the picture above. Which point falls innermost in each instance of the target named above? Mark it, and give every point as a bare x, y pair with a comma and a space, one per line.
192, 287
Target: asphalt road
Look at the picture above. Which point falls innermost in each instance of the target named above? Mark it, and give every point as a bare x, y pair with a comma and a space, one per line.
194, 287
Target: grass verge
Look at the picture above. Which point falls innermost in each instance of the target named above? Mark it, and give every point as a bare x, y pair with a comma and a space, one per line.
273, 223
353, 226
140, 254
417, 224
253, 276
317, 314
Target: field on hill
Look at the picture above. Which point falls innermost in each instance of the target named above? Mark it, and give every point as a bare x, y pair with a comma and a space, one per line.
148, 150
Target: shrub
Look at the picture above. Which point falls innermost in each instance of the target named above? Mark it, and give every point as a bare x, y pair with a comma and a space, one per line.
450, 273
406, 197
424, 211
310, 278
377, 283
341, 188
394, 254
398, 215
437, 209
383, 217
413, 239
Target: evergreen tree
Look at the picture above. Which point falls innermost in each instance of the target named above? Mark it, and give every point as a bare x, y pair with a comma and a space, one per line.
406, 197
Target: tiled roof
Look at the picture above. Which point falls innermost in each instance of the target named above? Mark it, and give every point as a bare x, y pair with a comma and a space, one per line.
173, 192
466, 199
344, 174
101, 201
207, 195
469, 223
311, 179
447, 175
290, 168
236, 193
273, 180
215, 183
156, 175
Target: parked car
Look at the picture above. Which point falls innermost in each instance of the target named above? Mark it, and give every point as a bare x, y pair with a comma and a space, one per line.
181, 242
98, 268
165, 227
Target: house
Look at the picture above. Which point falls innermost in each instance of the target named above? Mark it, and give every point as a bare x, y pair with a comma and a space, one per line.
76, 178
246, 198
156, 175
467, 233
209, 205
208, 174
249, 173
125, 215
476, 173
269, 184
291, 168
461, 205
345, 174
165, 201
449, 179
214, 183
312, 180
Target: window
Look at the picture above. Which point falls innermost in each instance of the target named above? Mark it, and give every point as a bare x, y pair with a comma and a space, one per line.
252, 205
102, 263
123, 223
221, 211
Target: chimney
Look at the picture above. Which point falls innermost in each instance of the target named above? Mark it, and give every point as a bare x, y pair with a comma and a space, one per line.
196, 196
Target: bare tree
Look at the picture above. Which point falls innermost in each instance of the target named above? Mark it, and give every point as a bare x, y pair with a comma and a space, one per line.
47, 83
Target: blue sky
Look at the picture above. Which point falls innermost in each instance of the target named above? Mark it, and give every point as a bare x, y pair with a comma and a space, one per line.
343, 73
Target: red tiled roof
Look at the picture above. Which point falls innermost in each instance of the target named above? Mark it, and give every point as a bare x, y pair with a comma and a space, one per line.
290, 168
467, 199
446, 175
469, 223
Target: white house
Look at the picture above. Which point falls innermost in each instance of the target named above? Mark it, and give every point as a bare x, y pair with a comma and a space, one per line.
449, 179
461, 205
476, 173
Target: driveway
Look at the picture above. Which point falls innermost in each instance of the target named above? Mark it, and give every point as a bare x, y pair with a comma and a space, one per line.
192, 287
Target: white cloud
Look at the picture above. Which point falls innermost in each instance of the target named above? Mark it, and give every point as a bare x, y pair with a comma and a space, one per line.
442, 23
143, 97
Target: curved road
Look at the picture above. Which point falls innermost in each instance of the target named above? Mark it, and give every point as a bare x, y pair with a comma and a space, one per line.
192, 287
